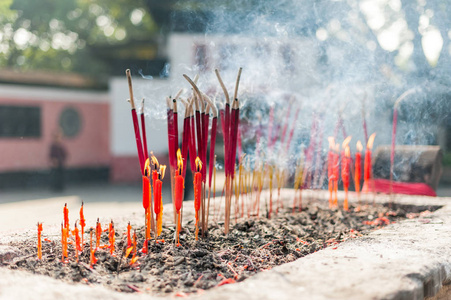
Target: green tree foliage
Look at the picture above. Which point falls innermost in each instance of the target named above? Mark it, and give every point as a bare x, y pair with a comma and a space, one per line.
59, 35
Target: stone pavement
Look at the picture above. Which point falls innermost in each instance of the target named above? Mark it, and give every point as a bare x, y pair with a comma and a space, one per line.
407, 260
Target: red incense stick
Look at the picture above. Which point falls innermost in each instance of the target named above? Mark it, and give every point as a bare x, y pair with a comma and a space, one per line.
185, 139
135, 122
143, 127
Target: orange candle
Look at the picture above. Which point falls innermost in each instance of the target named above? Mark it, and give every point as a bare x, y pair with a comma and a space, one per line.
77, 240
39, 241
157, 177
129, 238
82, 225
134, 257
98, 233
367, 163
147, 198
179, 187
197, 192
178, 192
158, 205
63, 243
111, 237
345, 165
66, 216
92, 250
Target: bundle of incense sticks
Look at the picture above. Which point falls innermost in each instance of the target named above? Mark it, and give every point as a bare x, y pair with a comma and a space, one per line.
230, 118
200, 113
196, 133
143, 156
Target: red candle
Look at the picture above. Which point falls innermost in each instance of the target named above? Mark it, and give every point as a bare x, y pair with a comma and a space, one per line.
197, 192
358, 167
336, 173
330, 168
146, 191
178, 192
367, 162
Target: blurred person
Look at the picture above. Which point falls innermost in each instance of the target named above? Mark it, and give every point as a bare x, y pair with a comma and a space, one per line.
57, 155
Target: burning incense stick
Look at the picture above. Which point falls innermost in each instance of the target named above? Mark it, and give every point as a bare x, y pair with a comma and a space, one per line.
143, 129
365, 130
393, 141
135, 122
270, 175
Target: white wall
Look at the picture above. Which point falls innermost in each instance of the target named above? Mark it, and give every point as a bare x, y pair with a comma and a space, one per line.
122, 132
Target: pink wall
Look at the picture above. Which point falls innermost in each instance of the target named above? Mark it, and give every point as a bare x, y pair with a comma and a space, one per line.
90, 148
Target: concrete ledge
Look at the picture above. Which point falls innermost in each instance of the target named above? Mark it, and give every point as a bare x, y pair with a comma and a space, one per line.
407, 260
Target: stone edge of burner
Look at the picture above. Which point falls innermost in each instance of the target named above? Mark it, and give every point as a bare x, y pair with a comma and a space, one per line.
397, 262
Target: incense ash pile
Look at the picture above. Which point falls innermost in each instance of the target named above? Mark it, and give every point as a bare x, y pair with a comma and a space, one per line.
252, 245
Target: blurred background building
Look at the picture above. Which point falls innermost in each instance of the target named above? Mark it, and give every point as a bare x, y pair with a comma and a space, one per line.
62, 68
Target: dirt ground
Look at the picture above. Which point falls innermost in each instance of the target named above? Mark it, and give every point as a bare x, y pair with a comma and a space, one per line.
253, 245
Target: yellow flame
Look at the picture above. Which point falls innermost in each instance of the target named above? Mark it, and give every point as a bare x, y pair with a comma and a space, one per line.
359, 146
371, 141
154, 161
179, 160
198, 164
347, 151
331, 142
147, 167
162, 171
346, 142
